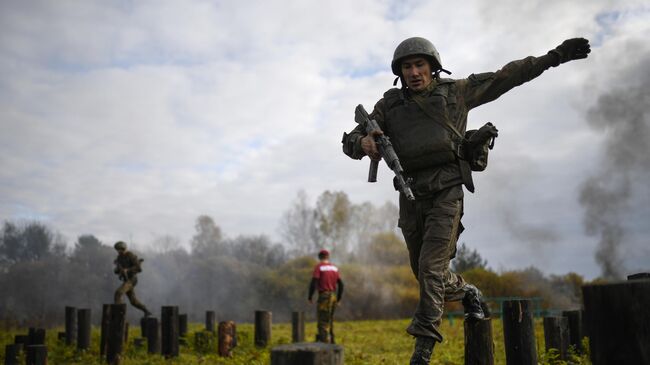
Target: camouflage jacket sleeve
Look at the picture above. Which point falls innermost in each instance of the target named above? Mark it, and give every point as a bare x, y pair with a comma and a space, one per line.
352, 141
482, 88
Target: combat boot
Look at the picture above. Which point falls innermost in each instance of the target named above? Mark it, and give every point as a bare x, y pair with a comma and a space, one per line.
423, 350
472, 303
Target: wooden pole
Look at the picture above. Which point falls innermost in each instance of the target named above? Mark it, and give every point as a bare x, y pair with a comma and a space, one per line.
227, 338
126, 332
36, 336
297, 327
556, 335
21, 339
182, 325
36, 355
262, 328
153, 335
618, 322
106, 320
12, 352
210, 320
307, 353
169, 331
479, 347
70, 325
115, 341
143, 327
83, 329
576, 333
639, 276
519, 332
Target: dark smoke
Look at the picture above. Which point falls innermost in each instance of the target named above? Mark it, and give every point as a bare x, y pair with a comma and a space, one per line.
621, 114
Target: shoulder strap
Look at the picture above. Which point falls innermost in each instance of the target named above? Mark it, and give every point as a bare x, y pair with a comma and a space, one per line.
426, 108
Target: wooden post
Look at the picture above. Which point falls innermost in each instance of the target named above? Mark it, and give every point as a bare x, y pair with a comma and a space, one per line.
138, 342
556, 335
83, 329
106, 320
182, 325
576, 333
126, 332
36, 336
297, 327
36, 355
307, 353
618, 322
227, 338
143, 327
115, 341
21, 339
639, 276
519, 332
262, 328
169, 331
479, 348
12, 352
210, 319
70, 325
153, 335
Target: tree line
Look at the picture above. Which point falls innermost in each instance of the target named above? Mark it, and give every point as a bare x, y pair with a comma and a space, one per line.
40, 272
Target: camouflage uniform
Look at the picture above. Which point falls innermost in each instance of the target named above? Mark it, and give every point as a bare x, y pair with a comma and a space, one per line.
431, 224
325, 316
129, 261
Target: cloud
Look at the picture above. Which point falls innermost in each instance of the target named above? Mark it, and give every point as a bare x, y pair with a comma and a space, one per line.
131, 119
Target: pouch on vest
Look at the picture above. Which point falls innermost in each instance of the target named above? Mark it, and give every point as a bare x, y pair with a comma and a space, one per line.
477, 144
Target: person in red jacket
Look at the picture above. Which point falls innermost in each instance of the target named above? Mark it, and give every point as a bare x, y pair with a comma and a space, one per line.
327, 280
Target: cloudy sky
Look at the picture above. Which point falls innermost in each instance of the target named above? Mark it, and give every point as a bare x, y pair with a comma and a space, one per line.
128, 119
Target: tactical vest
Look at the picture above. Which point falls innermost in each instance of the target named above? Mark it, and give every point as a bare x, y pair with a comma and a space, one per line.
419, 141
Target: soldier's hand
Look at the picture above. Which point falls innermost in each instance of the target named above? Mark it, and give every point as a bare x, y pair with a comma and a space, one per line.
369, 146
572, 49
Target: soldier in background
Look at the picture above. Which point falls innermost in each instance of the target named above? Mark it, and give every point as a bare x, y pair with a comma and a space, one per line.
127, 266
327, 280
426, 120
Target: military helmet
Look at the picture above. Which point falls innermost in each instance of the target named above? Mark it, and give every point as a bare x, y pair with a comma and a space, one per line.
120, 245
415, 46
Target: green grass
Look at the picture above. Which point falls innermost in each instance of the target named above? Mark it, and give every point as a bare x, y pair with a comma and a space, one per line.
364, 342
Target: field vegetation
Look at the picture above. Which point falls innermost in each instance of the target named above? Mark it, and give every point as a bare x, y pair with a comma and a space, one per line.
364, 342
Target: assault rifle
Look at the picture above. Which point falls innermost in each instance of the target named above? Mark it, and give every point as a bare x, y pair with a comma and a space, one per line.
387, 153
121, 272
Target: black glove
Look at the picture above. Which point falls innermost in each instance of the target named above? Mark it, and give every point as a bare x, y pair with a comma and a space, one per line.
571, 49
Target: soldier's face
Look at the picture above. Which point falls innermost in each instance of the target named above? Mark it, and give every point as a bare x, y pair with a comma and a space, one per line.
417, 73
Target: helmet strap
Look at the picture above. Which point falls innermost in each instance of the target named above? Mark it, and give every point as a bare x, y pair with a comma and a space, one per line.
395, 81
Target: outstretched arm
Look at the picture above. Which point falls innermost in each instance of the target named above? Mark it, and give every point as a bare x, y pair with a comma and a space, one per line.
482, 88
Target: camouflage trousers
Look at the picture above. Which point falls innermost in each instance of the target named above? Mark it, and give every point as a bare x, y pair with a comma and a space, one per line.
431, 228
325, 316
128, 288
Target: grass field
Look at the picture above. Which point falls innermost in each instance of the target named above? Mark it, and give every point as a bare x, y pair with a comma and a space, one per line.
364, 342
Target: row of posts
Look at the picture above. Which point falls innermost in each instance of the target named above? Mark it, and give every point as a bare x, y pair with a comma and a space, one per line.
616, 317
162, 337
616, 320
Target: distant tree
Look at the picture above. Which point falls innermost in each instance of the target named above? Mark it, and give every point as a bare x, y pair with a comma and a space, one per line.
30, 241
256, 249
387, 249
298, 226
334, 212
467, 259
208, 236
